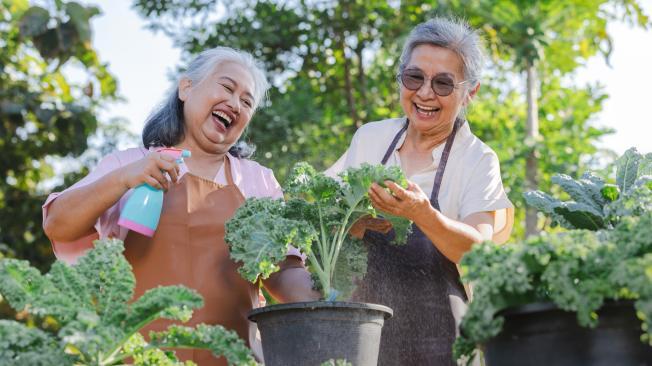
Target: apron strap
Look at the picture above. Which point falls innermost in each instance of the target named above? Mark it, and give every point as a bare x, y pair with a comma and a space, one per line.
395, 141
227, 170
439, 176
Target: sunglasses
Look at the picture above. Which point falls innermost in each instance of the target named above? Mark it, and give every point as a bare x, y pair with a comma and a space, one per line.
442, 84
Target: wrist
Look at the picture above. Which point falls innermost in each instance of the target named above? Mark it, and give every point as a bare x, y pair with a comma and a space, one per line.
425, 215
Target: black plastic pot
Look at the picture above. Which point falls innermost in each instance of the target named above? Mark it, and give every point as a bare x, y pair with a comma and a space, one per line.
310, 333
542, 334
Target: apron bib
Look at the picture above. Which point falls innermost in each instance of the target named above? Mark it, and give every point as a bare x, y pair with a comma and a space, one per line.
188, 249
415, 280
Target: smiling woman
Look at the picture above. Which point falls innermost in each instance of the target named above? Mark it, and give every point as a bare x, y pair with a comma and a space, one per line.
206, 112
455, 196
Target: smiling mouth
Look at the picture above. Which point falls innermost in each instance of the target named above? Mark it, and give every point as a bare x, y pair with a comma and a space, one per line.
428, 111
223, 118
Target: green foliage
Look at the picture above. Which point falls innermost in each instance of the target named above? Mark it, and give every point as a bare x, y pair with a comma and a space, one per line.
577, 269
595, 204
334, 64
97, 322
42, 112
316, 220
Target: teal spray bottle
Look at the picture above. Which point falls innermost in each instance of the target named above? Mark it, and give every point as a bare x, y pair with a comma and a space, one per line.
143, 208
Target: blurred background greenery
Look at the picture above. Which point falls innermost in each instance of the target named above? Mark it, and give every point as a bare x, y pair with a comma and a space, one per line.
333, 67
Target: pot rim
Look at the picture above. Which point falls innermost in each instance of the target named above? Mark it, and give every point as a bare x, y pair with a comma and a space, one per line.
537, 307
387, 312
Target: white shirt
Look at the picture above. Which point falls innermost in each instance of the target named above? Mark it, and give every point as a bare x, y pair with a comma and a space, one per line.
471, 181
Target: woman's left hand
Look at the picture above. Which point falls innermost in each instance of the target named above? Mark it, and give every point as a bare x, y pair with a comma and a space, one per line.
409, 203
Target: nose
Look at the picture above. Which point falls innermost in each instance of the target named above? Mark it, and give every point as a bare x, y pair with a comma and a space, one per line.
234, 103
425, 91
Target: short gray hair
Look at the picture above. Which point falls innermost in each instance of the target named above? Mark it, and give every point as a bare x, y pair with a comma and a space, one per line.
455, 35
165, 125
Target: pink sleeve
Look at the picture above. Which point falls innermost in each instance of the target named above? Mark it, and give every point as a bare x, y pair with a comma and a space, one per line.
105, 226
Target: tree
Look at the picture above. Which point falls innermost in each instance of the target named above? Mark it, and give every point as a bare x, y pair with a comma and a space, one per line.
42, 113
547, 37
333, 64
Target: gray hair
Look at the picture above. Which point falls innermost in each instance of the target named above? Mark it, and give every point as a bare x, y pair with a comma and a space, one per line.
452, 34
165, 125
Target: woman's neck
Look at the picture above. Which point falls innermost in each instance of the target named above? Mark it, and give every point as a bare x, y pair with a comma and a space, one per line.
425, 142
203, 163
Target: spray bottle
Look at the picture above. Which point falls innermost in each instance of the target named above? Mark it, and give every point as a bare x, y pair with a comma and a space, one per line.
143, 208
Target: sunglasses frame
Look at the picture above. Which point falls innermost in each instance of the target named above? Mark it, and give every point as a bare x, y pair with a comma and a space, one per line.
399, 78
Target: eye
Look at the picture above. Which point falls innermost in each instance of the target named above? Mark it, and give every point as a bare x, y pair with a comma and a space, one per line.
444, 81
228, 87
247, 102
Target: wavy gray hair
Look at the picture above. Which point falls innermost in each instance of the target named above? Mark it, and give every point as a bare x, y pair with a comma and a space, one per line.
455, 35
165, 125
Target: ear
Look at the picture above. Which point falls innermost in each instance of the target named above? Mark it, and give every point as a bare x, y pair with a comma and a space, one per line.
184, 87
471, 94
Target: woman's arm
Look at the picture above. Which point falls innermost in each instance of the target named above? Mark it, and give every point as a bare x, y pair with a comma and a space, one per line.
73, 214
453, 238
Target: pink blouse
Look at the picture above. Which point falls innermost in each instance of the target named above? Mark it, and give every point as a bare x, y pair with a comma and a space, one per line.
252, 179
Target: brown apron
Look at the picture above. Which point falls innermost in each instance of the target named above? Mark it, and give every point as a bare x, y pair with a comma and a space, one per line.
188, 249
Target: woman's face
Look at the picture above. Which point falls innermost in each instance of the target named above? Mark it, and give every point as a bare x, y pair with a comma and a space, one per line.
218, 108
427, 111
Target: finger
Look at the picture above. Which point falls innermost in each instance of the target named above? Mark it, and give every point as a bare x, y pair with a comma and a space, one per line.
160, 178
153, 182
378, 203
413, 187
383, 194
397, 190
166, 157
170, 168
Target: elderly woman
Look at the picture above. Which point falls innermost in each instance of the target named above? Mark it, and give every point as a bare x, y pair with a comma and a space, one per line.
206, 112
455, 195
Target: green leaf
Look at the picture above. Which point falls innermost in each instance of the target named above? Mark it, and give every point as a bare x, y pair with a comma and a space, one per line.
610, 192
108, 276
20, 345
34, 22
259, 237
581, 216
582, 191
169, 302
627, 169
220, 341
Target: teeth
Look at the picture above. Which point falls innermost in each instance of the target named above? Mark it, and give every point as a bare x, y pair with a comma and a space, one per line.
225, 117
426, 108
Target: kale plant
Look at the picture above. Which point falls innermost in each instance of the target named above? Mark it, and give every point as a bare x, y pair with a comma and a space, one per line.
97, 321
594, 203
316, 219
607, 255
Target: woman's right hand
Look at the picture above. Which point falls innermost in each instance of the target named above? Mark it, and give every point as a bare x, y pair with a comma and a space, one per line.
152, 170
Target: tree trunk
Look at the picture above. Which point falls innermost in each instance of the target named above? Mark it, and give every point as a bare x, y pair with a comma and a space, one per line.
532, 134
362, 83
348, 85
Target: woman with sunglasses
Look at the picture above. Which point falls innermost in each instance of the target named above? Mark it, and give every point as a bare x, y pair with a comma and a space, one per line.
455, 195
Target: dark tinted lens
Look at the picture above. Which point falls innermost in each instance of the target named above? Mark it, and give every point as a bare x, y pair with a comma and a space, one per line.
412, 79
443, 85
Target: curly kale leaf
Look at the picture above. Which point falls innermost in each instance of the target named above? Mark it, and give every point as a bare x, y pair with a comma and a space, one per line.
108, 276
25, 288
169, 302
577, 270
215, 338
260, 236
20, 345
145, 355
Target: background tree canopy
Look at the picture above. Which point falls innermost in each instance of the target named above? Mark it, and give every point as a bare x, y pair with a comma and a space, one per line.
333, 64
333, 67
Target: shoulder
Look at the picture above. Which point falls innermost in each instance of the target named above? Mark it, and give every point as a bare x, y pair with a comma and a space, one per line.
119, 158
473, 152
384, 130
254, 179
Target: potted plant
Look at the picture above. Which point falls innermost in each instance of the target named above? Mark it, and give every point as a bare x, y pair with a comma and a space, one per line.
88, 316
569, 297
316, 219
